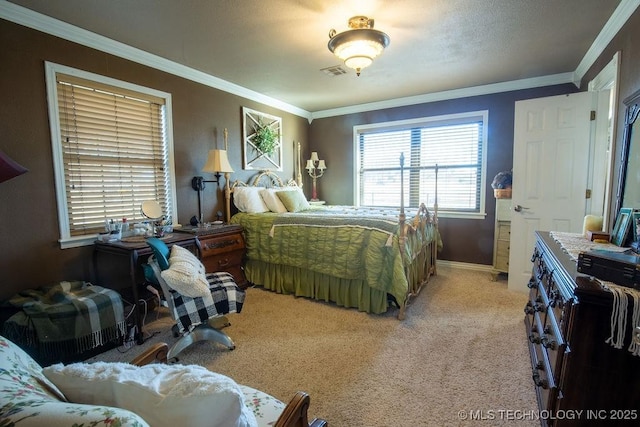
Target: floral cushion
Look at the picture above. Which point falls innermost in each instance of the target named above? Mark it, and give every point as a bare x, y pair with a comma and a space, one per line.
28, 399
266, 408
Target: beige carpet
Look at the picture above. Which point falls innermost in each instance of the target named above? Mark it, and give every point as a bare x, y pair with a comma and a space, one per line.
461, 350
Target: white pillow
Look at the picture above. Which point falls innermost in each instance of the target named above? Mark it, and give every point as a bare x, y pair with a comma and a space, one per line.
248, 199
186, 274
272, 200
163, 395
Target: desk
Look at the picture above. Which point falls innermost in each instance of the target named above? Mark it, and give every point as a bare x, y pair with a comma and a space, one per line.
109, 274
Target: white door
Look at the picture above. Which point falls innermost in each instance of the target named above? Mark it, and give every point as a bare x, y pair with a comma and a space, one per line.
550, 169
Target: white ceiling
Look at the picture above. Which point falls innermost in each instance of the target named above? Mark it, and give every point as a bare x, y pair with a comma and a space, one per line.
277, 48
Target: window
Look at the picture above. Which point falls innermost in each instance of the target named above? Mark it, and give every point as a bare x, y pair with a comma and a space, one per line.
453, 143
112, 150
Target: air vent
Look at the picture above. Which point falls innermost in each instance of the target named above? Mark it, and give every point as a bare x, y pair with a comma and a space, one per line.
335, 70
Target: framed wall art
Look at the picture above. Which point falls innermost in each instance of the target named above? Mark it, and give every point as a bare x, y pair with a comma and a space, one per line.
262, 136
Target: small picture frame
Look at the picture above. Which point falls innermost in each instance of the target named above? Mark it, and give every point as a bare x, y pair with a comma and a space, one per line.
622, 226
636, 225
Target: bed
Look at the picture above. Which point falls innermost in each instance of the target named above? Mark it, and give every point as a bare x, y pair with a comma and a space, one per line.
363, 258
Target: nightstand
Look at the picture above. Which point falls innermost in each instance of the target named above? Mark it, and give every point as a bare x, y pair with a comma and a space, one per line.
221, 248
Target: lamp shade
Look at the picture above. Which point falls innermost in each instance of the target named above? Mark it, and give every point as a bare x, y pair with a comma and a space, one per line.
217, 161
309, 164
9, 168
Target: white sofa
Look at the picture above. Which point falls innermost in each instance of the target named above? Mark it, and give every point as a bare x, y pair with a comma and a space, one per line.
29, 398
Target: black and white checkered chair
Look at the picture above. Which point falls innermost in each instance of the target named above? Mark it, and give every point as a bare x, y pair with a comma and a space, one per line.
199, 318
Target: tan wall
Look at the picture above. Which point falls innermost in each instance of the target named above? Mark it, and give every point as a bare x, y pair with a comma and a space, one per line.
31, 255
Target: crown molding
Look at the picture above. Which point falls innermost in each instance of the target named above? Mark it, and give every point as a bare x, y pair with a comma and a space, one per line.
48, 25
619, 17
37, 21
549, 80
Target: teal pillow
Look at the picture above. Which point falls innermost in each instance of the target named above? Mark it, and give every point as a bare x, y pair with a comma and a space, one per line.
294, 201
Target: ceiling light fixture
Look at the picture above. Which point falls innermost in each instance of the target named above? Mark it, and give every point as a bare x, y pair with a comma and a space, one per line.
358, 46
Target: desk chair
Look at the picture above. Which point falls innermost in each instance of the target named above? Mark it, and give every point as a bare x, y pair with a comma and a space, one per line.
197, 319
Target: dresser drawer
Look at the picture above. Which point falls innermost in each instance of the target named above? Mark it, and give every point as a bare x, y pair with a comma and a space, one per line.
541, 372
211, 246
502, 262
504, 231
502, 249
222, 261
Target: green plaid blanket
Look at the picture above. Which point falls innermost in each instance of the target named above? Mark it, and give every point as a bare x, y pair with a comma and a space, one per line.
65, 318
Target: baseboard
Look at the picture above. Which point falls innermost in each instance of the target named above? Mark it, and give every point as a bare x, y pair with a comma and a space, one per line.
465, 265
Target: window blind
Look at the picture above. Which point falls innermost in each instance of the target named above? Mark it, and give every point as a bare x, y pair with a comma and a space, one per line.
114, 153
455, 146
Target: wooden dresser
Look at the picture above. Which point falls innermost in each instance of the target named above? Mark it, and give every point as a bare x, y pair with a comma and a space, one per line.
221, 248
567, 321
501, 238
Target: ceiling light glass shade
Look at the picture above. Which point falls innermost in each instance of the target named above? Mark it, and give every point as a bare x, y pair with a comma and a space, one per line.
358, 47
217, 161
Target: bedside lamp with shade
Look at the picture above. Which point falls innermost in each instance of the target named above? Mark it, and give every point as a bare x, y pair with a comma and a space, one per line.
316, 168
217, 163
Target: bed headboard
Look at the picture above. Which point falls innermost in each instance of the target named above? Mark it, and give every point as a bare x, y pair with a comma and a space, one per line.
266, 178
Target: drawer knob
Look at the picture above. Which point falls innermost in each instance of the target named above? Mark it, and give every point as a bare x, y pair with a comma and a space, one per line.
540, 382
534, 339
528, 309
224, 262
549, 343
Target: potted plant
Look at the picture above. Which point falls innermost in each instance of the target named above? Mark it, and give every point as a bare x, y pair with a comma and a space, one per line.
265, 139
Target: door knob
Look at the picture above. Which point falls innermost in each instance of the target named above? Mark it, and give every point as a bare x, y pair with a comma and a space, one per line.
518, 208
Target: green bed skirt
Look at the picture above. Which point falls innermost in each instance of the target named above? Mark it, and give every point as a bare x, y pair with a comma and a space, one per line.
352, 293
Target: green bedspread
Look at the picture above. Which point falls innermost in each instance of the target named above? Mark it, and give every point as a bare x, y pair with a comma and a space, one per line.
342, 242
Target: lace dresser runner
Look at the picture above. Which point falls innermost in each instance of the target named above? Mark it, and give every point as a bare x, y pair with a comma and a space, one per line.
573, 244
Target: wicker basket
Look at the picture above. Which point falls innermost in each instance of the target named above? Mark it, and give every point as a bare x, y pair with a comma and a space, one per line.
502, 193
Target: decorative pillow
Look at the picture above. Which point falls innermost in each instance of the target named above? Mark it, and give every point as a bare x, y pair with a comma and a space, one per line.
294, 201
163, 395
272, 200
248, 199
186, 274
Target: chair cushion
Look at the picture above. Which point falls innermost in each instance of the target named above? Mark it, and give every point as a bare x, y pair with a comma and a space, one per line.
186, 274
29, 399
164, 395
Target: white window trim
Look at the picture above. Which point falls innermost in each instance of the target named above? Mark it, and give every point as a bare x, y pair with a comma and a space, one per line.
399, 124
51, 69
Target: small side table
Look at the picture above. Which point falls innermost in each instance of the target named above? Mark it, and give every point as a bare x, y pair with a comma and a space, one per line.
222, 248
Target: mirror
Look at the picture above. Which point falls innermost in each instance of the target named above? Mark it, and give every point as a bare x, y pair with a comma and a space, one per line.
151, 209
628, 195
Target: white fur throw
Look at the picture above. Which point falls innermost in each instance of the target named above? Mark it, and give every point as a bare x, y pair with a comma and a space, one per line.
163, 395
